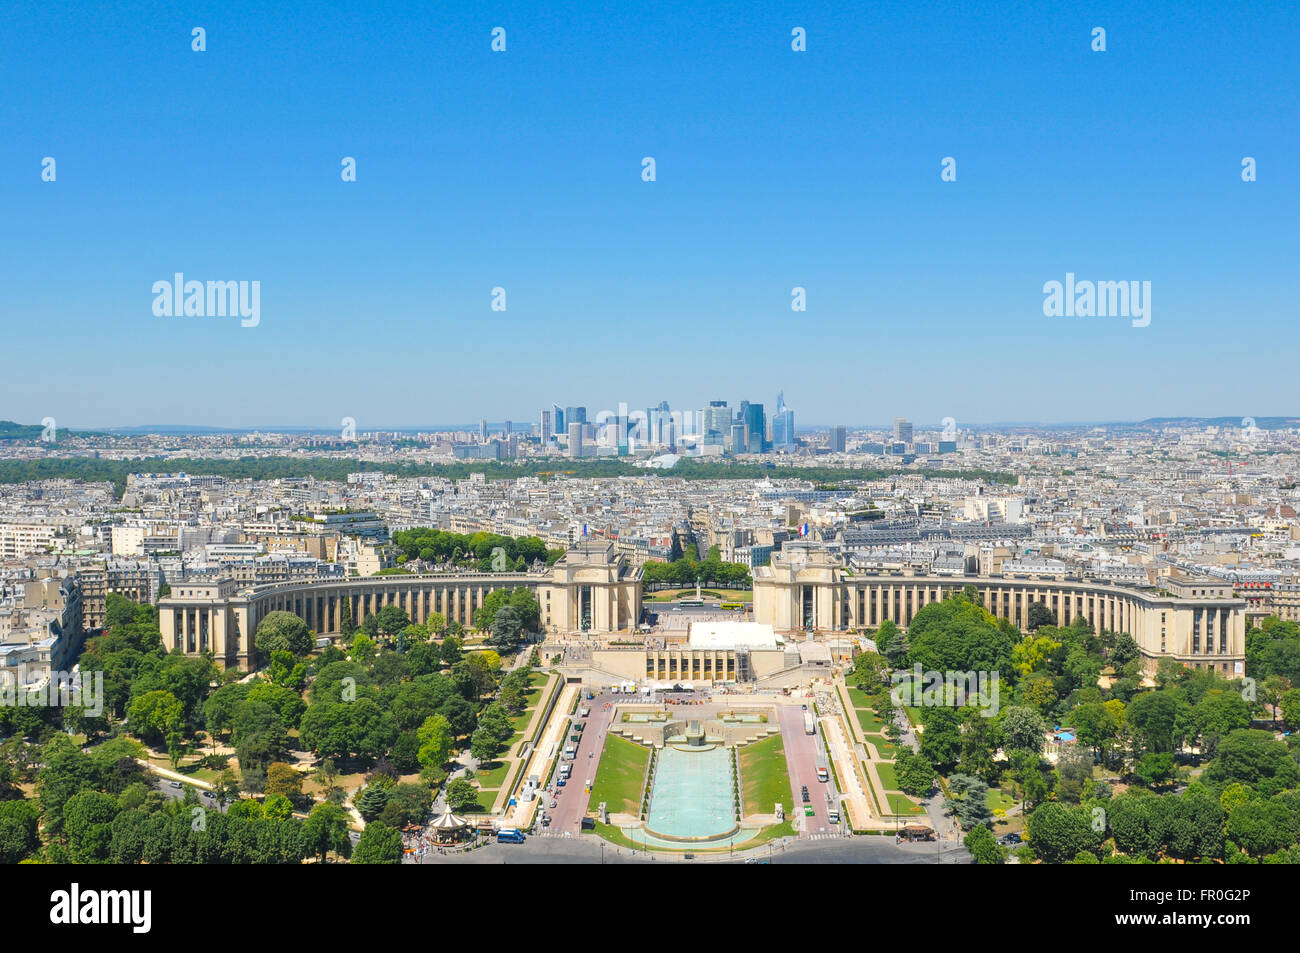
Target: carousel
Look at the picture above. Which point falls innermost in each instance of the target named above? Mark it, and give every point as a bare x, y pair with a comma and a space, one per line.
448, 829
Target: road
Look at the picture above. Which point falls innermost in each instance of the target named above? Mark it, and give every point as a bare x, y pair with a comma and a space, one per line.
571, 800
801, 753
587, 849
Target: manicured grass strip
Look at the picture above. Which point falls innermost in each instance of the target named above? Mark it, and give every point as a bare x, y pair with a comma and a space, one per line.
858, 697
619, 778
884, 750
765, 776
870, 723
493, 777
902, 804
888, 776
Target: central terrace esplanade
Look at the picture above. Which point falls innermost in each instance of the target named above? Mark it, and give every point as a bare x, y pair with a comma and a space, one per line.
591, 589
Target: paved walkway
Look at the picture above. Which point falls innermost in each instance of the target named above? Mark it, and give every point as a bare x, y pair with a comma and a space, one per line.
542, 757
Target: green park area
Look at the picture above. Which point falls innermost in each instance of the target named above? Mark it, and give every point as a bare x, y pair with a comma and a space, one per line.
620, 777
902, 804
765, 779
888, 776
724, 595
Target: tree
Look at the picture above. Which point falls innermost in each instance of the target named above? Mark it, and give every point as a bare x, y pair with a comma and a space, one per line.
1290, 704
984, 849
326, 831
507, 628
379, 844
1261, 827
87, 819
970, 801
19, 830
941, 739
869, 671
1254, 758
1058, 833
371, 802
1155, 768
956, 635
483, 746
284, 779
282, 632
1153, 716
156, 717
391, 620
1074, 768
915, 774
462, 796
892, 643
435, 737
1022, 729
1039, 615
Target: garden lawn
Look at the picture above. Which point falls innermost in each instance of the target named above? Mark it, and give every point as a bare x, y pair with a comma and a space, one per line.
888, 776
620, 777
902, 804
764, 776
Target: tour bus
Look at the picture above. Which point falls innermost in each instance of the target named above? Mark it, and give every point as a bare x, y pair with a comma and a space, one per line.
510, 835
737, 606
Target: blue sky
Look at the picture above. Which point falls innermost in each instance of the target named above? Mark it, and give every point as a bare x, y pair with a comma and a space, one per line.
522, 170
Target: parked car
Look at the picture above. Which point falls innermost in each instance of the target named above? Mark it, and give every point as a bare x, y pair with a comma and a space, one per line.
1009, 840
803, 792
175, 784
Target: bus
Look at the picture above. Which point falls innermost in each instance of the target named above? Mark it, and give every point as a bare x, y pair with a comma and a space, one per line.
509, 835
691, 603
736, 606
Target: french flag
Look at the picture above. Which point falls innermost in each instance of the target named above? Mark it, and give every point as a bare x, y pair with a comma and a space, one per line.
803, 529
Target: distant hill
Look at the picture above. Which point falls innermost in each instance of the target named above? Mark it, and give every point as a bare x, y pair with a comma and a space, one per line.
1263, 423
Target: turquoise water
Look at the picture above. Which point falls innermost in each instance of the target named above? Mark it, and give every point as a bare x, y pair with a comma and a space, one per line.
692, 795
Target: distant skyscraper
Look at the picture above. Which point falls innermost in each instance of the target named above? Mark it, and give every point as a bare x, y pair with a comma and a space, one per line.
558, 423
482, 431
837, 439
783, 425
507, 428
575, 439
575, 415
716, 422
546, 426
902, 430
754, 420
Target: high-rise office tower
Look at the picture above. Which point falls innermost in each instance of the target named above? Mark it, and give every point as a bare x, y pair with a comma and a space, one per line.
482, 431
754, 420
508, 428
575, 415
716, 420
558, 422
783, 425
575, 439
837, 439
546, 426
902, 429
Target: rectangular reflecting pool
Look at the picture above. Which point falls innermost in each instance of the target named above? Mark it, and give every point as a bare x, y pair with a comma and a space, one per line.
692, 796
